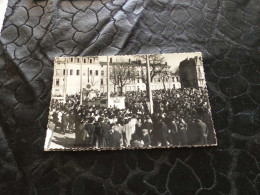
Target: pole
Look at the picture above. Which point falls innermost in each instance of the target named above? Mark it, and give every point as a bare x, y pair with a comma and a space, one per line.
65, 81
149, 84
81, 83
108, 86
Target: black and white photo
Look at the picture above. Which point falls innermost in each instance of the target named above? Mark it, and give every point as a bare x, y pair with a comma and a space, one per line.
129, 102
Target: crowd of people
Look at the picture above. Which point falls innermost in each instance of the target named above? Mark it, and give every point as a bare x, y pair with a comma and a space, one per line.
180, 117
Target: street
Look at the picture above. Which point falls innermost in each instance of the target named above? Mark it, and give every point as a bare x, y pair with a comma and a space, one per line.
60, 141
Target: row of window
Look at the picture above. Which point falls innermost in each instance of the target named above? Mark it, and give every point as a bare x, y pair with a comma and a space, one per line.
85, 60
57, 82
77, 72
134, 88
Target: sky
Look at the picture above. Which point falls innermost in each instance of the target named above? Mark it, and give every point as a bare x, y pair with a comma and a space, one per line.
172, 59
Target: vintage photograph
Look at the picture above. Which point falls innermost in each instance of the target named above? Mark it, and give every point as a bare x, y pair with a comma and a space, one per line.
129, 102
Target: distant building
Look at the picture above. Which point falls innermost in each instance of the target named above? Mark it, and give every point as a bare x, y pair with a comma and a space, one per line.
191, 73
200, 72
67, 74
68, 80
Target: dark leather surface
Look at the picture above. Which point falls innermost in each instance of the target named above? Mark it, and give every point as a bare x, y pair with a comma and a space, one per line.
226, 32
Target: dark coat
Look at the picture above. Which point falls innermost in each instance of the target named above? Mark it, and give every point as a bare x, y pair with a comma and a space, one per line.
160, 133
103, 134
197, 133
148, 126
147, 140
114, 139
104, 129
173, 135
55, 117
65, 119
90, 128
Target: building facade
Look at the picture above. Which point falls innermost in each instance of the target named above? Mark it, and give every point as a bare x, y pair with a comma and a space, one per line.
71, 74
200, 72
192, 73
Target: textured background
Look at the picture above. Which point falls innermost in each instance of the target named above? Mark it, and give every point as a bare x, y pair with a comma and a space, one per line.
34, 32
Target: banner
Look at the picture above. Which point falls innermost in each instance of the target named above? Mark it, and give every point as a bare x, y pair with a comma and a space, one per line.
117, 102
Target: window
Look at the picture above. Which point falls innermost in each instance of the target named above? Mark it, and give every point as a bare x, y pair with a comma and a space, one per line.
177, 78
57, 82
84, 73
138, 80
96, 72
85, 61
90, 61
78, 60
102, 82
64, 72
102, 72
58, 72
71, 72
90, 72
77, 72
159, 80
71, 59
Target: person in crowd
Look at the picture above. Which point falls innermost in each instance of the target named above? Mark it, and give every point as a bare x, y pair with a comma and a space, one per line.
71, 121
65, 121
80, 134
182, 132
104, 129
90, 129
146, 138
173, 133
114, 138
162, 132
55, 119
197, 134
49, 133
136, 142
138, 128
148, 124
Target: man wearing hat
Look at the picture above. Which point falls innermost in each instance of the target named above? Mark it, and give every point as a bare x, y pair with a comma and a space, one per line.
104, 128
114, 138
65, 121
90, 128
146, 138
148, 124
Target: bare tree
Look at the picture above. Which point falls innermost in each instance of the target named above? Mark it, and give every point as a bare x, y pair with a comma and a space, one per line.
122, 74
114, 76
165, 75
93, 81
157, 66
